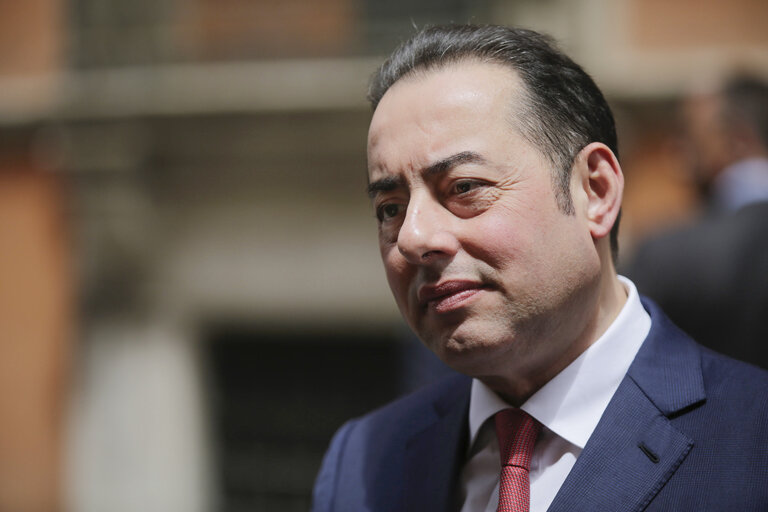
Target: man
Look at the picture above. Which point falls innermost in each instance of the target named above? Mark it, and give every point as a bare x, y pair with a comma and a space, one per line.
493, 172
711, 275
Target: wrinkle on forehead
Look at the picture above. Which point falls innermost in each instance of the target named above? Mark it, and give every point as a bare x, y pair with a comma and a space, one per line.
436, 100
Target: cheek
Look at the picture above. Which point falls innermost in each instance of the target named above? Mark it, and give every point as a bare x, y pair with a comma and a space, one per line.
396, 269
498, 239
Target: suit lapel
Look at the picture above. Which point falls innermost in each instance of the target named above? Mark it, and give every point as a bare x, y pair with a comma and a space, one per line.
635, 449
435, 453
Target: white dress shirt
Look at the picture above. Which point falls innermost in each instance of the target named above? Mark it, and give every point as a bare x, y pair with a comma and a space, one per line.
569, 407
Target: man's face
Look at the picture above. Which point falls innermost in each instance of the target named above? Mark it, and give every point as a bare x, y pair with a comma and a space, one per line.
482, 263
705, 137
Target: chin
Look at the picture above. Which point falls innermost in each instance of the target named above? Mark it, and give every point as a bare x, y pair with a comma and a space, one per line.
470, 355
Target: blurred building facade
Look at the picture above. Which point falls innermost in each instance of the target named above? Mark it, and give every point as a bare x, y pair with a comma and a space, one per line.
192, 297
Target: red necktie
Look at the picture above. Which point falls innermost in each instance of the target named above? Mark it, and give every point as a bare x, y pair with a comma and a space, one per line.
517, 432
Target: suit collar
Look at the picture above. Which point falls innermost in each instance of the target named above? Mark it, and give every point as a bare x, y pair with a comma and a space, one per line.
668, 366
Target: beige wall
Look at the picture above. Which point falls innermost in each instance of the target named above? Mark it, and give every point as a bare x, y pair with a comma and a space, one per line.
36, 321
30, 36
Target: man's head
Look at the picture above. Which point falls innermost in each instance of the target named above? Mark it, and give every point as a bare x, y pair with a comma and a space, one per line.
561, 109
722, 126
745, 112
491, 266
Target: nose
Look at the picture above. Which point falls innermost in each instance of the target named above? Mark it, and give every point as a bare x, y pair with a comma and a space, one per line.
426, 233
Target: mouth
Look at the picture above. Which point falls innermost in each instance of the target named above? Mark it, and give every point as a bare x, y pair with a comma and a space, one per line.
449, 295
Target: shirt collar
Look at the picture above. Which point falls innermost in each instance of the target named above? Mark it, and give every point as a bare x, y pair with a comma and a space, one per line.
571, 404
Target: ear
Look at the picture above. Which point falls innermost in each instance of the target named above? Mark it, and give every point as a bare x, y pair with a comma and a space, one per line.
602, 182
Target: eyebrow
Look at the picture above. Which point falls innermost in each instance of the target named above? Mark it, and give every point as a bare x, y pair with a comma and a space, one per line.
446, 164
385, 185
393, 182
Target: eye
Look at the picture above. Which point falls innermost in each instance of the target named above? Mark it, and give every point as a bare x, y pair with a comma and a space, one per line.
387, 211
462, 187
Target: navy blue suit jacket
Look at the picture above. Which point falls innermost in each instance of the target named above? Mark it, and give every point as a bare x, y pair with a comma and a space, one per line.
701, 418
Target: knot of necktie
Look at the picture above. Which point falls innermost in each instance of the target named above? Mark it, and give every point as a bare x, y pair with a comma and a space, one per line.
517, 432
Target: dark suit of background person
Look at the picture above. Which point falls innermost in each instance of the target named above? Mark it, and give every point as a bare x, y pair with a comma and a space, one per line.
469, 195
711, 276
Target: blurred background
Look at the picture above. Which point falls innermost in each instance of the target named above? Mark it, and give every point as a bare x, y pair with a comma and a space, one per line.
191, 298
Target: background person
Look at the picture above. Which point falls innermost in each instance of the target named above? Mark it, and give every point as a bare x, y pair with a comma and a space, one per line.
711, 275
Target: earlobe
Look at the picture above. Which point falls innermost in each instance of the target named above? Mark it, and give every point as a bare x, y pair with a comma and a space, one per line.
603, 183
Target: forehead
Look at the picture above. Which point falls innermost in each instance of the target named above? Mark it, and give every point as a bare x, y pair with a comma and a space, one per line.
458, 104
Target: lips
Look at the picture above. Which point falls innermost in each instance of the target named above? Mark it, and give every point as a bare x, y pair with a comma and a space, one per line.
449, 295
